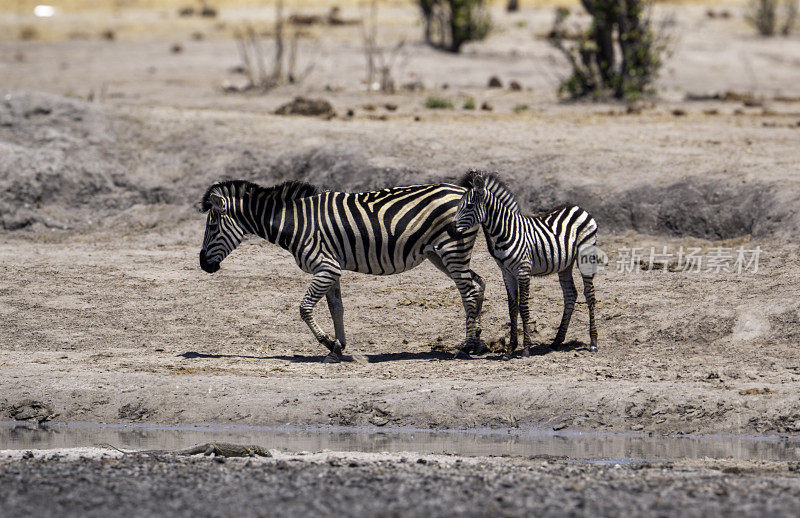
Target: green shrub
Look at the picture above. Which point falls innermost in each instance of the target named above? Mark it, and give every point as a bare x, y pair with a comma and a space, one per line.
435, 103
520, 108
469, 103
619, 53
451, 23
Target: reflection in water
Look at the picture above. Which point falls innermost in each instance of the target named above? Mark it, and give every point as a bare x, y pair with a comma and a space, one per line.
512, 442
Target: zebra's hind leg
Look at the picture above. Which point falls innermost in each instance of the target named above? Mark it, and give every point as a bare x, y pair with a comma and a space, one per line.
512, 291
322, 281
588, 292
334, 297
570, 296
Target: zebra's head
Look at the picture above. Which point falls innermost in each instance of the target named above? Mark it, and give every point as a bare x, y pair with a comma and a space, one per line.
223, 231
472, 208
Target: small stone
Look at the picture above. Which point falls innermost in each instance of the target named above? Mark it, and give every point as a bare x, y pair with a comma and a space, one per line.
514, 86
486, 106
494, 82
307, 107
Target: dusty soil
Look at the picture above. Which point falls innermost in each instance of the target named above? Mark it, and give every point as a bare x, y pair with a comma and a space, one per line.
91, 483
106, 316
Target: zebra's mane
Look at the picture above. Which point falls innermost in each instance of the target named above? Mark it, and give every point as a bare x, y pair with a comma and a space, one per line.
289, 190
493, 184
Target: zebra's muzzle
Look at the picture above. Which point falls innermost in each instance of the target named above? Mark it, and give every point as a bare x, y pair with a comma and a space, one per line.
207, 266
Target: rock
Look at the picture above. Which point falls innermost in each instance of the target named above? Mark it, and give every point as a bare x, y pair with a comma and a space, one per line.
134, 411
208, 12
514, 86
307, 107
494, 82
486, 106
31, 410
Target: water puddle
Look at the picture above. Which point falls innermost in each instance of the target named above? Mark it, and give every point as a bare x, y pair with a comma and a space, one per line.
518, 443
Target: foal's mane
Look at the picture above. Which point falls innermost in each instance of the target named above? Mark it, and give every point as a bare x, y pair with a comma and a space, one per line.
493, 183
289, 190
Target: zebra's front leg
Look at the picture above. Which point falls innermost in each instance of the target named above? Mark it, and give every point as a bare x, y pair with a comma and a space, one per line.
512, 291
323, 280
480, 286
470, 285
334, 297
570, 296
524, 281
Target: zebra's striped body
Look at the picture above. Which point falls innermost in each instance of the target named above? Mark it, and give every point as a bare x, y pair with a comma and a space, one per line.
524, 246
380, 233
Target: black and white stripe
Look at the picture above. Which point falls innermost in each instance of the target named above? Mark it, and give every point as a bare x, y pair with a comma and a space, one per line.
524, 246
379, 233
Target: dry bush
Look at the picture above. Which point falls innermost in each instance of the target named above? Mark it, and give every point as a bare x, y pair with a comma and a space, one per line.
767, 15
380, 61
267, 70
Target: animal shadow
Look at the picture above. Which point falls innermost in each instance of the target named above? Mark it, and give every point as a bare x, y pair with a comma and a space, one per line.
300, 358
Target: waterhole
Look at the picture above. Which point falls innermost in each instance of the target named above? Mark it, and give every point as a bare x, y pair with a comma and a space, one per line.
593, 446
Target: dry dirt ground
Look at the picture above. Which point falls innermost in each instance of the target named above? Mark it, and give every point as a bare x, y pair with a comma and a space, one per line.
105, 315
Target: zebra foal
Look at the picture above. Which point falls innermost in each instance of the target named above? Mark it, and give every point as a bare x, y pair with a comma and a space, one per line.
379, 233
524, 246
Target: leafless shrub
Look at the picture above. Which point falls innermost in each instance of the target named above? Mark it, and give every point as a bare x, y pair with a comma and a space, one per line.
762, 14
766, 16
262, 73
790, 16
380, 61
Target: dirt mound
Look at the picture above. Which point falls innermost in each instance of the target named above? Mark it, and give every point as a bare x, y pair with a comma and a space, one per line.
709, 208
67, 163
59, 154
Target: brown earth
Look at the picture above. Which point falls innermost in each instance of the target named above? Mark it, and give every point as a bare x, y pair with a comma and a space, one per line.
105, 315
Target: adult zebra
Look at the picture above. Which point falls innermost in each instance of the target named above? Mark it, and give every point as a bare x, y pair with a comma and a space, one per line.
380, 233
526, 245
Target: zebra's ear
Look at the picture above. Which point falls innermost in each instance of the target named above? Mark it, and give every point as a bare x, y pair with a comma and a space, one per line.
217, 201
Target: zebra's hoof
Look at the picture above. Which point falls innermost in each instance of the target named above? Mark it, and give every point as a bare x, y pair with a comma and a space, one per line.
461, 354
592, 348
506, 357
331, 358
526, 352
479, 347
